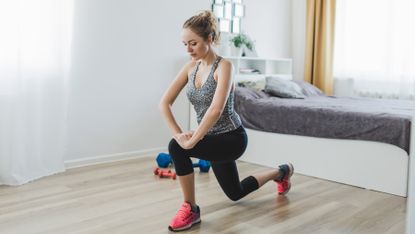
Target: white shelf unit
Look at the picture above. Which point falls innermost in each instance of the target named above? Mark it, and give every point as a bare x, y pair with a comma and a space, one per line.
265, 67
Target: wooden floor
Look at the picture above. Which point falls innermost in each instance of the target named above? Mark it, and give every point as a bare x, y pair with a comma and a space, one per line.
125, 197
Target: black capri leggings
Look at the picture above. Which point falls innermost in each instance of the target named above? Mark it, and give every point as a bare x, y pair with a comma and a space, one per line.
221, 150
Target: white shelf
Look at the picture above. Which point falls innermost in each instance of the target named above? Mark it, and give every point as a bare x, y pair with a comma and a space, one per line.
265, 67
257, 58
245, 77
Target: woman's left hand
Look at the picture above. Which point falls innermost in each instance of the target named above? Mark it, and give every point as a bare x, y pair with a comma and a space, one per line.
184, 140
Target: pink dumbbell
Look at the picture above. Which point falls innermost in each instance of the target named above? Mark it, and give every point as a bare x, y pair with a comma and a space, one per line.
164, 173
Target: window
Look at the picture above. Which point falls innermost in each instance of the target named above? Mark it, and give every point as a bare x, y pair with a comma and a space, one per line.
374, 46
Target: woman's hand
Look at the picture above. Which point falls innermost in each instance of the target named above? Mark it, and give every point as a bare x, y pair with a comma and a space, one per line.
184, 140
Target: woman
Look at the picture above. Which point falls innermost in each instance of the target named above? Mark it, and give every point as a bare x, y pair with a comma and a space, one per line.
220, 137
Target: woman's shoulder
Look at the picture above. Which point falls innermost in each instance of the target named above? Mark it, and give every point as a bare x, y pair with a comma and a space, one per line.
191, 63
188, 66
225, 64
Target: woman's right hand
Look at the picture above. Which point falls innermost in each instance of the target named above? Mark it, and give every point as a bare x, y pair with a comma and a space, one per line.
188, 133
183, 139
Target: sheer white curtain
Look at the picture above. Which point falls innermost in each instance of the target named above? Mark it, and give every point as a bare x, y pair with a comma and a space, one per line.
34, 64
375, 47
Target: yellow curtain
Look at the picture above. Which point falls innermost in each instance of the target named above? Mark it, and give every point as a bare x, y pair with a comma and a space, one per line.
319, 44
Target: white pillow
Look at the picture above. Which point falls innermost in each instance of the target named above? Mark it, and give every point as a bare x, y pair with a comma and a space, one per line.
257, 85
283, 88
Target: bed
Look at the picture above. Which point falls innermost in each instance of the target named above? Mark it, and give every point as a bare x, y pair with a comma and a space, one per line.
368, 147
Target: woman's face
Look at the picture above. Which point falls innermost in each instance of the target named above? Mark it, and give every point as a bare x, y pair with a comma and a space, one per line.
195, 45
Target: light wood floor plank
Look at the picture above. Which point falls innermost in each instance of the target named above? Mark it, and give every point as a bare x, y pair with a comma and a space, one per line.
125, 197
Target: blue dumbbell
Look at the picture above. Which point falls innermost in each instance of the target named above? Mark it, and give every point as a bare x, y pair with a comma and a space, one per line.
203, 165
164, 160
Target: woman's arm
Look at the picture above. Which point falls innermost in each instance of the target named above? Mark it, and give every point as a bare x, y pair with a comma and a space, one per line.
170, 96
213, 113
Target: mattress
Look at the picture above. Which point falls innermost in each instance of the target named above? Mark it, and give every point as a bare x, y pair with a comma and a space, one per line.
387, 121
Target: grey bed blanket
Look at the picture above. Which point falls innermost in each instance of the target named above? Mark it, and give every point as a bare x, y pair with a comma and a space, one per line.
387, 121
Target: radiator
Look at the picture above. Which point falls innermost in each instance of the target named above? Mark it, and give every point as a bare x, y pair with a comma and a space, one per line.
350, 87
383, 95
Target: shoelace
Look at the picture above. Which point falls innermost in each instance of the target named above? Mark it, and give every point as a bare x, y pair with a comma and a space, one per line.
284, 183
182, 213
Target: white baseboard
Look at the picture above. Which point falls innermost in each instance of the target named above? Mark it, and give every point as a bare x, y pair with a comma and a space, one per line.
112, 157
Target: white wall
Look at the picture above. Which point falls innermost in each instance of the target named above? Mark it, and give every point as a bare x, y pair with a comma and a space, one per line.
298, 37
279, 29
268, 22
125, 53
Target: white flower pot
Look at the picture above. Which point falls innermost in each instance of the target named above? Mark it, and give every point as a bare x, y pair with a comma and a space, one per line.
236, 51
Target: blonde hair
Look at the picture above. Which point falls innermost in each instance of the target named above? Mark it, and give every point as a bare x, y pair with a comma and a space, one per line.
204, 25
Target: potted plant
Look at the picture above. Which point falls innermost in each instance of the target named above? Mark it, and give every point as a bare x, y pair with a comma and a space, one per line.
240, 41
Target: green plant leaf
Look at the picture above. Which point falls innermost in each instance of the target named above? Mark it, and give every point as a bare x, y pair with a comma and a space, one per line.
242, 39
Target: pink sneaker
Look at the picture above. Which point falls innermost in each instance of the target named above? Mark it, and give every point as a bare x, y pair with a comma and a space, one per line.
284, 184
185, 218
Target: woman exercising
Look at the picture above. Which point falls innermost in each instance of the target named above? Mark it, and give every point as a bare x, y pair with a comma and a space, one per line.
220, 137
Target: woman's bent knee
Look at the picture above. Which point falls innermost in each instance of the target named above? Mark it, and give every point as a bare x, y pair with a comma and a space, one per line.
234, 196
174, 147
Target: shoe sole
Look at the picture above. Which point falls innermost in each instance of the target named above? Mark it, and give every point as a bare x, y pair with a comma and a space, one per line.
185, 227
289, 176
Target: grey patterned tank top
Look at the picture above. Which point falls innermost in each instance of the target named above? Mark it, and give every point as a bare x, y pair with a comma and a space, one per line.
202, 97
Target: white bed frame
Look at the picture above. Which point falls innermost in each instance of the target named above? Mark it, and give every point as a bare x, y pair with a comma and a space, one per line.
371, 165
367, 164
